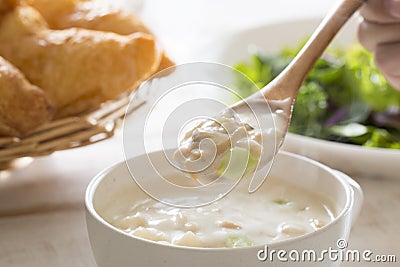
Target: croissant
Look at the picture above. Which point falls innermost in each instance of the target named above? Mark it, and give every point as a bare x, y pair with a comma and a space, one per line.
23, 106
93, 15
78, 69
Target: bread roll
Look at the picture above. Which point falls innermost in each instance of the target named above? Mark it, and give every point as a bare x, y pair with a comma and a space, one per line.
93, 15
23, 106
77, 68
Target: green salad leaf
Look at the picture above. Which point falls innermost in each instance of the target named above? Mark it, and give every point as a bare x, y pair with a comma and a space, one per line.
311, 107
344, 98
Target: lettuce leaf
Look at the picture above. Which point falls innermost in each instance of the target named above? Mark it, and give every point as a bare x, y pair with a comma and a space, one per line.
343, 91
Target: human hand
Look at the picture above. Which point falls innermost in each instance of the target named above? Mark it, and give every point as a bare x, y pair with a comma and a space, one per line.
379, 32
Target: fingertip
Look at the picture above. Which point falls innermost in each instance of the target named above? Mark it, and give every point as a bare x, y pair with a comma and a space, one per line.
393, 81
387, 58
393, 7
381, 11
364, 37
380, 59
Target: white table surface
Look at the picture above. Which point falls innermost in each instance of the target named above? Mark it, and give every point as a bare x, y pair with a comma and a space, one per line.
41, 207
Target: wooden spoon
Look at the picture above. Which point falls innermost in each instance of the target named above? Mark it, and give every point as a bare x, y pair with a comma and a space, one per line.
274, 101
287, 84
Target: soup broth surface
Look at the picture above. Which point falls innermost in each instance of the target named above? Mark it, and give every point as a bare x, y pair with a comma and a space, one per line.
277, 211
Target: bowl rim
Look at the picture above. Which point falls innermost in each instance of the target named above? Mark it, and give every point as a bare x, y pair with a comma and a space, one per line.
377, 150
346, 210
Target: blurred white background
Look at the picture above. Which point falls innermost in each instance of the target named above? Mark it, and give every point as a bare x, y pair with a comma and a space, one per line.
185, 26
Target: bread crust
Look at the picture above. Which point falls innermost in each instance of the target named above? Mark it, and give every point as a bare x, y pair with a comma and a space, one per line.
77, 68
93, 15
23, 106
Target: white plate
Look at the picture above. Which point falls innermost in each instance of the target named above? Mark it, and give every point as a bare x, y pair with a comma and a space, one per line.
269, 39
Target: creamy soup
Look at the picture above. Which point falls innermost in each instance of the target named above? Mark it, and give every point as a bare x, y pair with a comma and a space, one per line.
246, 131
205, 144
277, 211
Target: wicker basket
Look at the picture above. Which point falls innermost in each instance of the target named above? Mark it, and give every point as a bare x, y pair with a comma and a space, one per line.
64, 133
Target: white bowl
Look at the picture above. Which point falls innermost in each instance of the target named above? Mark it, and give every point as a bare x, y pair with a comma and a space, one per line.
270, 39
351, 159
113, 247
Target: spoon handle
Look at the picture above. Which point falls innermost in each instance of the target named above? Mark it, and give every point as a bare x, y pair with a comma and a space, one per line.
288, 83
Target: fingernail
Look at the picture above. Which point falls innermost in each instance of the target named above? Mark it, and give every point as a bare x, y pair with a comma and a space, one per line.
394, 8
